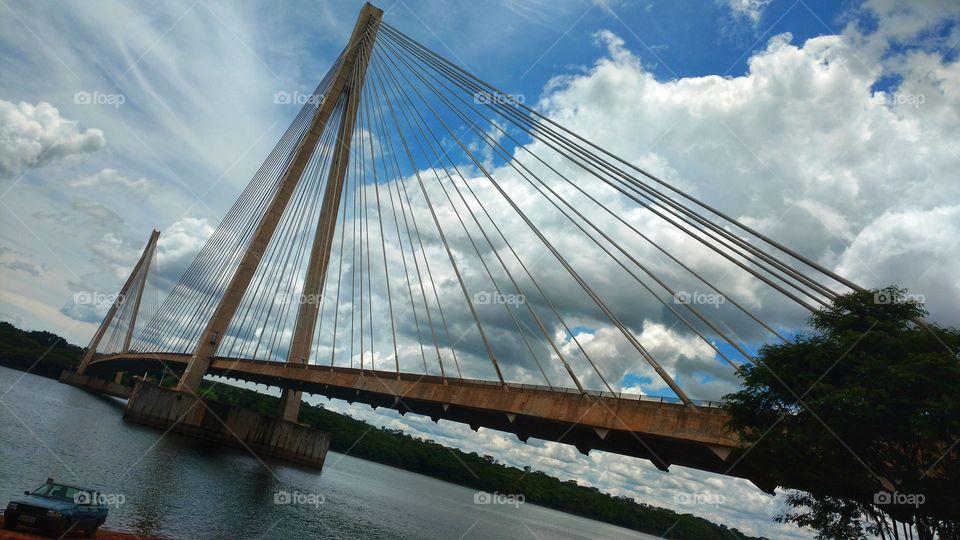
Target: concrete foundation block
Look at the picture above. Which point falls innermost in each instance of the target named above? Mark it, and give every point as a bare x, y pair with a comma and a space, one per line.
94, 384
266, 436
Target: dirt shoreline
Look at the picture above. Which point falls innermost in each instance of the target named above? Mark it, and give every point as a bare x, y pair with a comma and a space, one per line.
102, 534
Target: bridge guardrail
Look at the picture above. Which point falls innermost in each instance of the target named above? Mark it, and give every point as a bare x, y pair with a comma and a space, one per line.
513, 386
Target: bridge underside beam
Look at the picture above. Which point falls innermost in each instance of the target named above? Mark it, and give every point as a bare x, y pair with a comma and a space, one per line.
663, 433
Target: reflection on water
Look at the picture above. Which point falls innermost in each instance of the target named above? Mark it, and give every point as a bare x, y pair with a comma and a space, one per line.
178, 487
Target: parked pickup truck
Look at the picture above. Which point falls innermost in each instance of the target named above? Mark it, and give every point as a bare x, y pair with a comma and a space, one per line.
56, 509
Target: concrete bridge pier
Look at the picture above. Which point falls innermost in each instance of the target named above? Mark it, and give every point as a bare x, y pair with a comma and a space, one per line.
94, 384
188, 414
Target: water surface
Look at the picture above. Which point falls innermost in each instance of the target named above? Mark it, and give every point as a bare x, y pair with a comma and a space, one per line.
177, 487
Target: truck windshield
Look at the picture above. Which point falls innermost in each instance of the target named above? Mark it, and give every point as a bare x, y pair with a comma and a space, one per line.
57, 491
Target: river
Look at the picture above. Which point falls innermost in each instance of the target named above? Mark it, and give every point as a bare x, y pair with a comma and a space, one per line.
176, 487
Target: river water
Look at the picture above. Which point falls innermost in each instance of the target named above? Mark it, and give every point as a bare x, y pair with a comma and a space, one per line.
176, 487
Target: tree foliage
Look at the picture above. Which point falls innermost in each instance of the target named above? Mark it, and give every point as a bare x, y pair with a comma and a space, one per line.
863, 414
43, 353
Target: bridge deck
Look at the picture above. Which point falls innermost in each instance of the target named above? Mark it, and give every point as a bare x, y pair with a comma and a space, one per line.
664, 433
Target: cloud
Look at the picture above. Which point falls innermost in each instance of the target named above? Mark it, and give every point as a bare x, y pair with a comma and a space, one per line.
801, 144
22, 262
686, 356
111, 179
750, 10
77, 214
178, 245
85, 312
12, 318
35, 135
913, 248
116, 255
896, 24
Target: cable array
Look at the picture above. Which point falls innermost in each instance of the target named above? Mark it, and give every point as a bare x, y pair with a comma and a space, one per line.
135, 307
476, 237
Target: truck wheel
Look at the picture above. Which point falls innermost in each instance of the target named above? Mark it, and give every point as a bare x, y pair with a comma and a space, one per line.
10, 523
90, 533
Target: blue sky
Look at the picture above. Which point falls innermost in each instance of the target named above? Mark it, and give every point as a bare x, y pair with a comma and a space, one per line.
830, 126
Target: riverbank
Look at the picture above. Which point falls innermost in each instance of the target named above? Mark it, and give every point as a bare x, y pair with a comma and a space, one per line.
102, 534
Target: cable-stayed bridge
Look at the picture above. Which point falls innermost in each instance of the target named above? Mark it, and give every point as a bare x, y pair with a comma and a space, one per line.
420, 240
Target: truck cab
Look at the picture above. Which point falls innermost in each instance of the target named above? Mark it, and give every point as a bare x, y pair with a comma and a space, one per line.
57, 508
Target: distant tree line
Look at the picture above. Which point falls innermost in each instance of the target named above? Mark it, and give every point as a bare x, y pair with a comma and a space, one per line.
395, 448
43, 353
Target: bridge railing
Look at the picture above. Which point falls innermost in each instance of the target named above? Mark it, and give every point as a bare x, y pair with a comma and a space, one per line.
599, 393
513, 386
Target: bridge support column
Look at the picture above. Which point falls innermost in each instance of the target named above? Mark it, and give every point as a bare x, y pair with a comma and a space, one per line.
290, 405
352, 64
319, 261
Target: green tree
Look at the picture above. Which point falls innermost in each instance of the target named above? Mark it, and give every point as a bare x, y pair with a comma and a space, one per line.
862, 414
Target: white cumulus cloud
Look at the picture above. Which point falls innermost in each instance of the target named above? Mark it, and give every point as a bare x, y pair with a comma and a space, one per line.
34, 135
750, 10
111, 178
